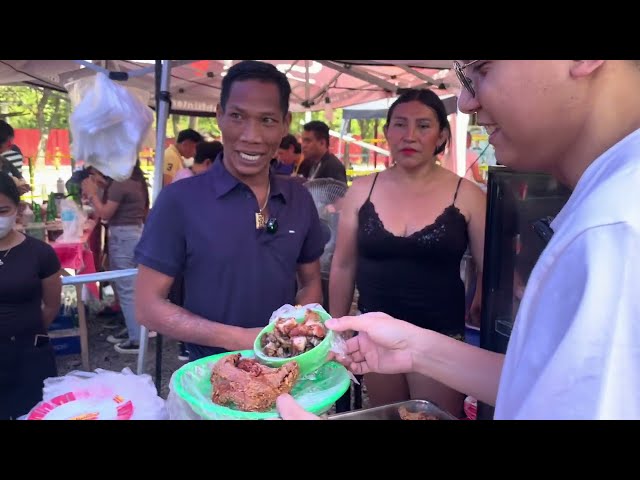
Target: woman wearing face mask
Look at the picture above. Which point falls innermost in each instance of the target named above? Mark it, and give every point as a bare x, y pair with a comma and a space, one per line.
401, 237
30, 289
125, 209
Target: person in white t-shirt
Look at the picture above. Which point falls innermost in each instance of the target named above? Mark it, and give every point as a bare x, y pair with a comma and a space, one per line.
574, 352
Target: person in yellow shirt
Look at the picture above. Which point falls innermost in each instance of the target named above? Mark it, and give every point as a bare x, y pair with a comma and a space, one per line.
175, 155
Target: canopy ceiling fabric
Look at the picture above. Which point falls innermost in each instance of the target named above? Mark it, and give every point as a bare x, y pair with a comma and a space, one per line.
195, 84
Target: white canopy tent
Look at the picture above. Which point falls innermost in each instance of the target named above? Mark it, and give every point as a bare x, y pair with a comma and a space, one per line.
192, 87
195, 84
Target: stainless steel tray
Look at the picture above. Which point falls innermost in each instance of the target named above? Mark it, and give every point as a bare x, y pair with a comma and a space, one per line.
390, 412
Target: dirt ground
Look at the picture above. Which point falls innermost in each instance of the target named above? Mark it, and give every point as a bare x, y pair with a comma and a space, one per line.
103, 355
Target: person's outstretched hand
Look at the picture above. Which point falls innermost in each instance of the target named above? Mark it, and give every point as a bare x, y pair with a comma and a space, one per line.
383, 344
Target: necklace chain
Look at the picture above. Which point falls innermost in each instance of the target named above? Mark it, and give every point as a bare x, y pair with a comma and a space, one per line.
4, 256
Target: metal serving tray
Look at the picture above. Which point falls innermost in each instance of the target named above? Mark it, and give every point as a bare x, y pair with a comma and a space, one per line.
390, 412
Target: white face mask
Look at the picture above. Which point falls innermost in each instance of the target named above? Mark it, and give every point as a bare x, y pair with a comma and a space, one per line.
188, 162
7, 224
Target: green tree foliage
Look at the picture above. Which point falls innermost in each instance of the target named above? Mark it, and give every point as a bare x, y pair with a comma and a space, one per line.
24, 107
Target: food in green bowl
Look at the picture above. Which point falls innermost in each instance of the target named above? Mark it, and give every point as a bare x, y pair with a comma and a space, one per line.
192, 391
304, 340
250, 386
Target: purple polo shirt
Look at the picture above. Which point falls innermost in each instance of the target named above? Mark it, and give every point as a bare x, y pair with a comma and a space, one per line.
203, 227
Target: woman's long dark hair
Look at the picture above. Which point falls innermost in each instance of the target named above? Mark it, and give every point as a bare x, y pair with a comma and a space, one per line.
9, 188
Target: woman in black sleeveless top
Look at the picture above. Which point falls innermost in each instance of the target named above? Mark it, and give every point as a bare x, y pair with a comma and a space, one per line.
401, 239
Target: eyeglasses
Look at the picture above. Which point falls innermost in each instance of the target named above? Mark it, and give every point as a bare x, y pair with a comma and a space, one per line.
464, 80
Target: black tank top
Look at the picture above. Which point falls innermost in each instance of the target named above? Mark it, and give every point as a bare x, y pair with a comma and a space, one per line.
414, 278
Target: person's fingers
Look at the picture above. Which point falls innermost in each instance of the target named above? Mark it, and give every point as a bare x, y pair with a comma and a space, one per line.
357, 323
289, 409
357, 357
359, 368
352, 345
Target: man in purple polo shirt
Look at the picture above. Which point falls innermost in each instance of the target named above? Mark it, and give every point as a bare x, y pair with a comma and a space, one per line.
243, 239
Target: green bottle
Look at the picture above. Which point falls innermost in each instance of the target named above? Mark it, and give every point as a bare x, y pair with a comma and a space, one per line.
74, 193
52, 211
37, 212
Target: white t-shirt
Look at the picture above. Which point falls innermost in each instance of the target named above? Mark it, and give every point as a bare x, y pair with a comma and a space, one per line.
574, 352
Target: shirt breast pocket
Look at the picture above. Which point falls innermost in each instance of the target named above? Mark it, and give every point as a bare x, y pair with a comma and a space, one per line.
286, 245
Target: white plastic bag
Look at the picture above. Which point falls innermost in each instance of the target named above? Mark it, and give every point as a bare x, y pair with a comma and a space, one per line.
73, 220
99, 395
110, 124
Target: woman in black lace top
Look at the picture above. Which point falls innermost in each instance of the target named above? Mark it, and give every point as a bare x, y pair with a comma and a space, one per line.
401, 238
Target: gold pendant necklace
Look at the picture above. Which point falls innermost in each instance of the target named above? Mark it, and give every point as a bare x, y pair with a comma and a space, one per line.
261, 222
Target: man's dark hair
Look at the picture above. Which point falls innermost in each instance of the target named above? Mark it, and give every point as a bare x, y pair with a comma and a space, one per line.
254, 70
189, 134
289, 140
320, 130
9, 188
207, 151
6, 132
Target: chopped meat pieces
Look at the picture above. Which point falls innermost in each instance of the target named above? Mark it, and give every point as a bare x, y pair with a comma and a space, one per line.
290, 338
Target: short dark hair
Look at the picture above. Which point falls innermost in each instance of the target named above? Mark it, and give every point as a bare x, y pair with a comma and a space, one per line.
189, 134
320, 129
289, 140
429, 99
254, 70
9, 188
6, 132
207, 150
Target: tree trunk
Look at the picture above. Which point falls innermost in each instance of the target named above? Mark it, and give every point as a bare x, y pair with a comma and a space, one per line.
193, 123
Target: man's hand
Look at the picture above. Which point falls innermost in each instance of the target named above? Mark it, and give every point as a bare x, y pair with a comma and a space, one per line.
89, 187
243, 339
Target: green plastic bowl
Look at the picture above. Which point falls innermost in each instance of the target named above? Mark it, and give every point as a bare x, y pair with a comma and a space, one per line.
316, 392
307, 362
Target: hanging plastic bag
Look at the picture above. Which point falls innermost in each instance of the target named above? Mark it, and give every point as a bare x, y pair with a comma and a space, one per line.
99, 395
110, 124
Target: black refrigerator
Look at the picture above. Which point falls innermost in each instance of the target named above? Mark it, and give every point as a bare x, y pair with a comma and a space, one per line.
520, 207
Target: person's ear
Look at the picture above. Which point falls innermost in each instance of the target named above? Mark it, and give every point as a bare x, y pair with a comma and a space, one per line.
219, 112
584, 68
443, 137
286, 123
